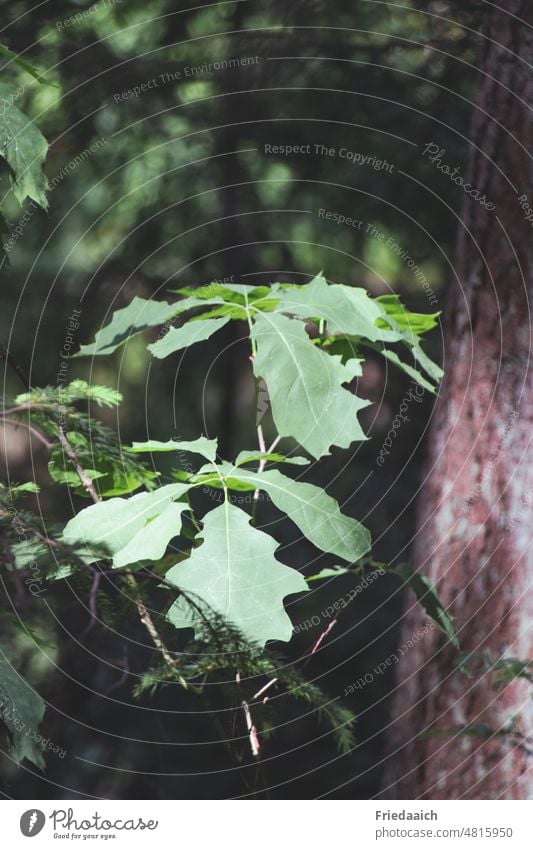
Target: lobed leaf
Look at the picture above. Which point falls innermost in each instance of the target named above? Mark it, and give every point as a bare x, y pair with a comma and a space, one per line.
206, 447
312, 510
24, 148
178, 338
139, 315
122, 526
305, 385
234, 574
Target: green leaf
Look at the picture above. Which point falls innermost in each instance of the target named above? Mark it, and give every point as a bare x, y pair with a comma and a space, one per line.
140, 315
422, 359
60, 472
227, 311
21, 710
305, 386
220, 477
127, 322
235, 575
352, 313
348, 348
209, 292
27, 551
26, 66
346, 310
150, 543
206, 447
415, 322
114, 475
121, 526
256, 456
312, 510
231, 293
509, 668
226, 303
426, 593
79, 390
393, 357
411, 326
23, 488
331, 572
176, 339
235, 299
24, 148
32, 551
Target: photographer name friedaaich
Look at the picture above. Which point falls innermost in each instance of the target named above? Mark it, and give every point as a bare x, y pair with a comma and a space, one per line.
388, 816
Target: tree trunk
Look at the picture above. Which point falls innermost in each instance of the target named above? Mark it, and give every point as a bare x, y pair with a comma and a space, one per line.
477, 505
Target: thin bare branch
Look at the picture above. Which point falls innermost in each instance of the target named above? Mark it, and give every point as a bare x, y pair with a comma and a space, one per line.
253, 736
31, 428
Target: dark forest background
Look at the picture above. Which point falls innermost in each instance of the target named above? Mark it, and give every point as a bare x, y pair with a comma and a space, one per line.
174, 187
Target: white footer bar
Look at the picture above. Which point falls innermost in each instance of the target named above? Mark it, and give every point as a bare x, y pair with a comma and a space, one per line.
268, 824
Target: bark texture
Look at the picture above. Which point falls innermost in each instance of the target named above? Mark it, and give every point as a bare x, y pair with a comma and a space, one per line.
476, 511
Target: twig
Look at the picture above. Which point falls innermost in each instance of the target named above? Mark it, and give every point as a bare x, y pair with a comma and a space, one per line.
274, 444
52, 543
253, 736
323, 635
142, 610
88, 485
20, 408
36, 432
318, 643
261, 439
264, 450
265, 688
148, 623
80, 471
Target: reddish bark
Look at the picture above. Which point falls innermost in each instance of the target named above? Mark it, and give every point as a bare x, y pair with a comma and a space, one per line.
477, 502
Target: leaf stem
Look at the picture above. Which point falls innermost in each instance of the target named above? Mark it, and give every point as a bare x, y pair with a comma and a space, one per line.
261, 439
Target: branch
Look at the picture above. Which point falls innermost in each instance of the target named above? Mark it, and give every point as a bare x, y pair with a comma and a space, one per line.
144, 615
88, 485
323, 635
264, 689
148, 623
32, 429
252, 731
80, 471
264, 450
